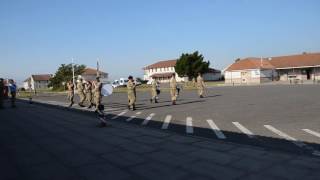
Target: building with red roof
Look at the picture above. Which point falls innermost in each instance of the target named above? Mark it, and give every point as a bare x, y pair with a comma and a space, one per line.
300, 67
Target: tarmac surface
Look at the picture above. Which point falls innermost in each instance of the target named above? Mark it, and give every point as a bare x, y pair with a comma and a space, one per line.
40, 141
279, 117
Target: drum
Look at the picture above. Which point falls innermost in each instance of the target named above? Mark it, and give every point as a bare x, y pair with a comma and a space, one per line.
107, 90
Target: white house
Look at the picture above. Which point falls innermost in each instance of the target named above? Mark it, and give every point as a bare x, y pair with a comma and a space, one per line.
37, 81
163, 71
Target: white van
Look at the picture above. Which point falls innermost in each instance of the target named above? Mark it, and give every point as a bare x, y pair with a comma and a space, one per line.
123, 82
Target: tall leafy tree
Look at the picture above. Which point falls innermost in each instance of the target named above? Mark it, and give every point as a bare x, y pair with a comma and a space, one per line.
64, 74
191, 64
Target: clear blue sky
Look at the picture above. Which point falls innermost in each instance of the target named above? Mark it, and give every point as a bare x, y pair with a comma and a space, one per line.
38, 36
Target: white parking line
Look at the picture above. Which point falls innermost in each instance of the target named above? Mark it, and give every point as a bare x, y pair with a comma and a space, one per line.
120, 114
216, 130
243, 129
189, 127
166, 122
146, 121
133, 117
312, 132
292, 139
280, 133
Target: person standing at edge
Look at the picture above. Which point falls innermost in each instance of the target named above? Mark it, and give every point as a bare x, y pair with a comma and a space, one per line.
1, 92
200, 85
88, 91
70, 87
13, 92
80, 88
131, 94
173, 89
154, 95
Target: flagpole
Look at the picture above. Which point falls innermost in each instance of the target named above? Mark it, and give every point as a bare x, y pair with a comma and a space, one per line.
98, 68
73, 80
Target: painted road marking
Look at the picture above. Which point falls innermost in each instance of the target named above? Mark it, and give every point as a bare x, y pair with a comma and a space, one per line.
243, 129
120, 114
166, 122
292, 139
133, 117
312, 132
216, 130
189, 127
146, 121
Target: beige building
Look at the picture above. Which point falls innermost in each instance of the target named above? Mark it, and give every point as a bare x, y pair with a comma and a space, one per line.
300, 67
163, 70
250, 70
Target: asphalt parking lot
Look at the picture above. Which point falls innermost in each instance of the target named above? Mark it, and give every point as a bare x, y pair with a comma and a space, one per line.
281, 117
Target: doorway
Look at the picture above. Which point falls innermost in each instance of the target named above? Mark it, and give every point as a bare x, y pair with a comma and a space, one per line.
308, 72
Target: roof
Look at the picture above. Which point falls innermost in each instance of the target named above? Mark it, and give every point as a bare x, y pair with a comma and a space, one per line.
251, 63
91, 71
163, 75
27, 80
211, 70
162, 64
41, 77
301, 60
281, 62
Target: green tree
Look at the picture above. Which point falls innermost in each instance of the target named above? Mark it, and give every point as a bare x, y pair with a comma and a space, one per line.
191, 64
64, 74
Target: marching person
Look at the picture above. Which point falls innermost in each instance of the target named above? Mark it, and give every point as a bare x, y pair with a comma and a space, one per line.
80, 88
97, 100
97, 93
173, 89
70, 96
88, 92
1, 93
200, 85
154, 89
131, 94
13, 92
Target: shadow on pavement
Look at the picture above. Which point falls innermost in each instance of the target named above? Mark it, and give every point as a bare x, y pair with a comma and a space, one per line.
265, 142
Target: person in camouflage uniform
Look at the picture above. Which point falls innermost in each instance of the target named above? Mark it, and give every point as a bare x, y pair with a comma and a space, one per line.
173, 89
154, 94
80, 87
200, 85
70, 96
131, 94
88, 92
